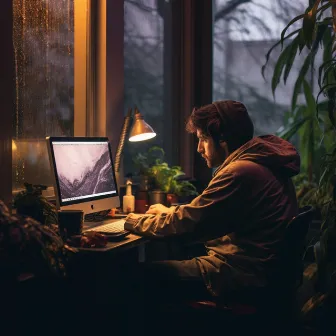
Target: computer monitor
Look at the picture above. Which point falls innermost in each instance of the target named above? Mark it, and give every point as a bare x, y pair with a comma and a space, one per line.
83, 172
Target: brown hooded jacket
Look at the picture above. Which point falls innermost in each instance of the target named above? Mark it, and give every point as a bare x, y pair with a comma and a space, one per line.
242, 214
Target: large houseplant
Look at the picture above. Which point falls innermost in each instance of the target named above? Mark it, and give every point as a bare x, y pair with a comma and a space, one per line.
31, 202
318, 32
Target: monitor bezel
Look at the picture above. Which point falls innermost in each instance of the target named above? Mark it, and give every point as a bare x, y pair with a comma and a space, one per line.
59, 203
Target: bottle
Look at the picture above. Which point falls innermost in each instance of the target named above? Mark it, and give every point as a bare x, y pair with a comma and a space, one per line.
128, 199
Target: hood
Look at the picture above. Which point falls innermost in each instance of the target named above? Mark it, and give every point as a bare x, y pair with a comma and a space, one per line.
277, 154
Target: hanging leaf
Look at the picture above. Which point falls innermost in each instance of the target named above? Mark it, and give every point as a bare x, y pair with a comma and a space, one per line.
327, 79
311, 104
321, 68
300, 79
263, 68
331, 112
280, 64
291, 129
321, 29
299, 17
308, 27
291, 57
333, 10
324, 90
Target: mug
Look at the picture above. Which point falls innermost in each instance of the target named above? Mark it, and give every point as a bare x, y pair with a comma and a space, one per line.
70, 223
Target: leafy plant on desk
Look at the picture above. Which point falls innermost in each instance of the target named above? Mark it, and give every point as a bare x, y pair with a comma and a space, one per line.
161, 175
144, 161
30, 202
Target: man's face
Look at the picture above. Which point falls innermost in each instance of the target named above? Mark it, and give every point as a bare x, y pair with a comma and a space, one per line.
214, 155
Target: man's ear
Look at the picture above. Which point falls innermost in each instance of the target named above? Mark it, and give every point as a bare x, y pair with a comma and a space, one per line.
223, 145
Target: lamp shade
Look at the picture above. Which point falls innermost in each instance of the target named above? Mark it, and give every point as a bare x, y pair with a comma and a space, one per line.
140, 130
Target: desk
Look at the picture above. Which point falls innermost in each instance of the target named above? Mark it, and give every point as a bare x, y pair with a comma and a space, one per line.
115, 247
95, 274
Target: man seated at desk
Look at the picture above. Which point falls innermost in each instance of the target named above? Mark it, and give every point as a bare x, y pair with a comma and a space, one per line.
242, 214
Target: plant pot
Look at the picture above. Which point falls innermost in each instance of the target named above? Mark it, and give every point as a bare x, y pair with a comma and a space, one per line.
157, 196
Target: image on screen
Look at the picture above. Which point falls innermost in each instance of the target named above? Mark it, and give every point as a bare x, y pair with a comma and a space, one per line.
84, 170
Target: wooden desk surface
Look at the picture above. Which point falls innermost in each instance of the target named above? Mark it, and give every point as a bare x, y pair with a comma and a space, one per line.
126, 243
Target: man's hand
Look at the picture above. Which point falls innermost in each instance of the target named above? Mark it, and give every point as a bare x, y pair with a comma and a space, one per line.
156, 209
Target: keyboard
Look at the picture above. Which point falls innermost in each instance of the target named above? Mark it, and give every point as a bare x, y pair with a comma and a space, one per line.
112, 228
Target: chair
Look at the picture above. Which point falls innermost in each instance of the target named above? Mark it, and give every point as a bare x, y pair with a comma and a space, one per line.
248, 316
295, 244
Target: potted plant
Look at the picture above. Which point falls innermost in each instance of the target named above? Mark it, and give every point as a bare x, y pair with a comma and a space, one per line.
30, 202
144, 162
318, 30
171, 180
164, 181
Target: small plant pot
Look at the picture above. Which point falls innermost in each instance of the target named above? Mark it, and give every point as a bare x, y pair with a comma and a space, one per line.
157, 196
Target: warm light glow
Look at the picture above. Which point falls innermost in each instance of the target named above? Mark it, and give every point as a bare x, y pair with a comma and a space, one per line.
14, 147
140, 130
142, 137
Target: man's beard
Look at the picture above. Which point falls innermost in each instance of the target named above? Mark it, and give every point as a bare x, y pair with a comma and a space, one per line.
208, 161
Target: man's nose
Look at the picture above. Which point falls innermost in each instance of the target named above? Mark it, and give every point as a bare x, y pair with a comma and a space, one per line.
199, 148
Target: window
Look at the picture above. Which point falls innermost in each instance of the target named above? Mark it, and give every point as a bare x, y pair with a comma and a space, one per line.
44, 34
144, 73
243, 34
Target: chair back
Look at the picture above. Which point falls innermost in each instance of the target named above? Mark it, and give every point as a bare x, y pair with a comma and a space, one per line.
294, 245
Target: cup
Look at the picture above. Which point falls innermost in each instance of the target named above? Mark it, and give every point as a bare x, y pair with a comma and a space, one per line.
70, 223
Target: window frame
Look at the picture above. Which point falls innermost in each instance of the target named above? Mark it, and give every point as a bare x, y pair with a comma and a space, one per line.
190, 81
7, 100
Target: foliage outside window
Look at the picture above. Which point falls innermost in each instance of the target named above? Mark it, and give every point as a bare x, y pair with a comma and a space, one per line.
243, 33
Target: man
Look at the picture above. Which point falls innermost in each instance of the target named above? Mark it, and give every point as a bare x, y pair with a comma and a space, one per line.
242, 214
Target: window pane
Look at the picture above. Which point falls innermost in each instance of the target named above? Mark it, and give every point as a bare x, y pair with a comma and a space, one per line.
144, 71
43, 36
243, 34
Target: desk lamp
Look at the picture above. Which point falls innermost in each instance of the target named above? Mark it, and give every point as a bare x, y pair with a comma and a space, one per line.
140, 131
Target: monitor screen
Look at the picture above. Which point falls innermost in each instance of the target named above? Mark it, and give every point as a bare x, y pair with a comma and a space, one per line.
83, 173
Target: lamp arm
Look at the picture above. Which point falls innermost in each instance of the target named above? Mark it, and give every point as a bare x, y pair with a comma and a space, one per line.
121, 144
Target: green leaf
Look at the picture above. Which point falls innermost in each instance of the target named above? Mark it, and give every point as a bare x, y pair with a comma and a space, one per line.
280, 64
325, 171
331, 112
300, 79
302, 41
329, 76
323, 89
308, 27
311, 104
291, 57
321, 29
292, 129
321, 68
263, 68
297, 18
